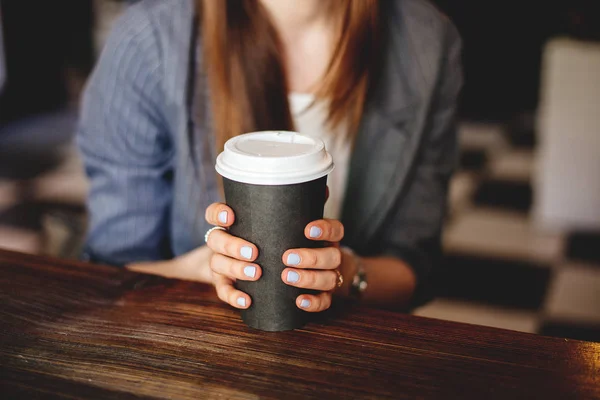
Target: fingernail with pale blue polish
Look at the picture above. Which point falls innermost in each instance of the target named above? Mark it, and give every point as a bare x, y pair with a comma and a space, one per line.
315, 232
241, 301
293, 259
250, 271
246, 252
223, 217
305, 303
293, 277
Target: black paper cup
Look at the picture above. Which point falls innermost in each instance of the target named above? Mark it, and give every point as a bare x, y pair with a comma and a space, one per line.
275, 182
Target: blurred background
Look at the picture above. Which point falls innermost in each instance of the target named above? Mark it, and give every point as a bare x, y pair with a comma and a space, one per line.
523, 235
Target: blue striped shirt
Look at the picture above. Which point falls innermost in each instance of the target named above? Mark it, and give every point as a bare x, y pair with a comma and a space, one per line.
132, 123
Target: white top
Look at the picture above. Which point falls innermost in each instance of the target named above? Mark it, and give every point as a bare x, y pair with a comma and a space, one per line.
274, 158
311, 121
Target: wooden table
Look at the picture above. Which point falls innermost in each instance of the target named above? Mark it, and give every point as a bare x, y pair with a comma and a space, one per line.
72, 330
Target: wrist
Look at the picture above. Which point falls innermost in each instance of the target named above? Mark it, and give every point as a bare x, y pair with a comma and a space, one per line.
348, 269
357, 281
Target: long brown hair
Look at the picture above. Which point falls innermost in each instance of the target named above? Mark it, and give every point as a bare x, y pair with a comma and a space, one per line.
247, 78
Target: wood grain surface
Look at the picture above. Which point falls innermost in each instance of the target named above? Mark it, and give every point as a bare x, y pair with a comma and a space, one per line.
72, 330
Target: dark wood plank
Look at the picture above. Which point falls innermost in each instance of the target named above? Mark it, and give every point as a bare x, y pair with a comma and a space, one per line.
72, 330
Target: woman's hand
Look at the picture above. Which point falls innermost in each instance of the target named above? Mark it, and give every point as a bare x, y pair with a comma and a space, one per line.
232, 258
315, 268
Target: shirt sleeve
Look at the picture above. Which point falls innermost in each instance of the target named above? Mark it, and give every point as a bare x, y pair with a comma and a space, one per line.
415, 232
127, 148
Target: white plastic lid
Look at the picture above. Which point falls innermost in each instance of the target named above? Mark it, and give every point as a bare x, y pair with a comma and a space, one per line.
274, 158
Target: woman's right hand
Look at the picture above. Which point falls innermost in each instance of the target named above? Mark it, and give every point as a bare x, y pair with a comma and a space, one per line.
232, 257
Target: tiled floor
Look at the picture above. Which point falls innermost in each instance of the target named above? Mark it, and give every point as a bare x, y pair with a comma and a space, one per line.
501, 233
574, 288
500, 270
515, 166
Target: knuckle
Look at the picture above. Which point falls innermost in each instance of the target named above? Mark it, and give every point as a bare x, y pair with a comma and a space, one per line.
231, 298
212, 263
336, 257
237, 270
221, 292
215, 241
214, 278
223, 298
332, 281
211, 241
231, 266
340, 230
230, 247
326, 226
317, 303
310, 278
311, 258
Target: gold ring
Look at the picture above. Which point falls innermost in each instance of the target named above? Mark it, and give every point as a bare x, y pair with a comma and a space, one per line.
340, 278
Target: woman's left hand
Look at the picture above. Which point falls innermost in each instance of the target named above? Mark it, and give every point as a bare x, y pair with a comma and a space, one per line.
315, 268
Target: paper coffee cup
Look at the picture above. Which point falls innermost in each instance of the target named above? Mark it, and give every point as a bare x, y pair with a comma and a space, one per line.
275, 182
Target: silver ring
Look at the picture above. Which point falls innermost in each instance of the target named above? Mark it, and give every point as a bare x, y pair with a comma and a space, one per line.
214, 228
